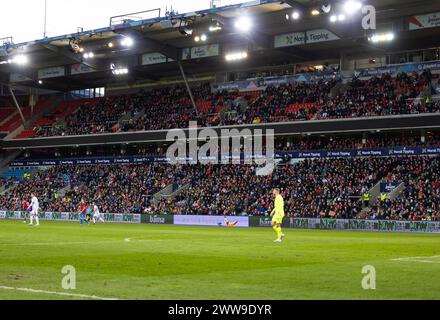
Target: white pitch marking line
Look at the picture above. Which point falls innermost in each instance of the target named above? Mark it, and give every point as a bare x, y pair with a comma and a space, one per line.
127, 240
56, 293
58, 243
418, 259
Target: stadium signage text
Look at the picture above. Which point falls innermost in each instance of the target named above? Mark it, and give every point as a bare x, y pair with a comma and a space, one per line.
16, 77
262, 83
246, 221
191, 220
430, 20
210, 50
157, 219
80, 68
153, 58
383, 152
72, 216
388, 187
52, 72
301, 38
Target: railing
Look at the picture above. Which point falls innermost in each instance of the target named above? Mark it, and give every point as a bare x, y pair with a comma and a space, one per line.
5, 42
136, 16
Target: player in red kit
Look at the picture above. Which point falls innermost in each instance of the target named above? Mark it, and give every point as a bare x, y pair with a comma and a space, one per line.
83, 211
25, 208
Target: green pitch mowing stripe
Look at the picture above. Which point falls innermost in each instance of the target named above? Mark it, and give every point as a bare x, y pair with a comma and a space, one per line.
175, 262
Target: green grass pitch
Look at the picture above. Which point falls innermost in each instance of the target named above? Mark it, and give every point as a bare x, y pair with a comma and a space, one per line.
177, 262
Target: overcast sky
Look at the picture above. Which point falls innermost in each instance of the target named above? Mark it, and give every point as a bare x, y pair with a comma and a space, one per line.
24, 19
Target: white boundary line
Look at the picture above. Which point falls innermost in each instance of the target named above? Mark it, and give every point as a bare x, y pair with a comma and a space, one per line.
418, 259
56, 293
58, 243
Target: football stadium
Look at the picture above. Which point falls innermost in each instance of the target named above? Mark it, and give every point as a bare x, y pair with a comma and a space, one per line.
263, 150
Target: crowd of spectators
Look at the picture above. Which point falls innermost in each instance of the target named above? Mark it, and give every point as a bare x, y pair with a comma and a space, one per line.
168, 108
45, 184
115, 188
341, 142
330, 188
379, 96
420, 201
312, 188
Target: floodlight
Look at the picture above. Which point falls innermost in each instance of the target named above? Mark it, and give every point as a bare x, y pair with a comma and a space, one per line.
19, 59
88, 55
352, 6
235, 56
384, 37
127, 42
243, 24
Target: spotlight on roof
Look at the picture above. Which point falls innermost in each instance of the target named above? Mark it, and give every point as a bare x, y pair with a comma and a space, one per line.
203, 37
19, 59
243, 24
341, 17
352, 6
383, 37
127, 42
40, 82
120, 71
197, 38
110, 44
216, 27
88, 55
315, 12
235, 56
295, 15
333, 18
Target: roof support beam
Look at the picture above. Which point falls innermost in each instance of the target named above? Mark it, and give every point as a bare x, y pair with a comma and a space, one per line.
188, 88
69, 55
17, 106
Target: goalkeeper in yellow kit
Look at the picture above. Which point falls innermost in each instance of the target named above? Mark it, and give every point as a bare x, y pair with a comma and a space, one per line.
278, 214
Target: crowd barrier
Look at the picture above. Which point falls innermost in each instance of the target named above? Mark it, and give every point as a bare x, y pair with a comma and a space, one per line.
245, 222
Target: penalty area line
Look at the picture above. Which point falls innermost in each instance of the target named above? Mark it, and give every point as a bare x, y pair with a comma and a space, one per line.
75, 295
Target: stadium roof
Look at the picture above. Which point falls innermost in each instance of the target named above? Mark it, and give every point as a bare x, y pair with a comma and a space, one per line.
166, 35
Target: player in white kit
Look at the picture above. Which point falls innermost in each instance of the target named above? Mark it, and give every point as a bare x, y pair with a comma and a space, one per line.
96, 214
34, 207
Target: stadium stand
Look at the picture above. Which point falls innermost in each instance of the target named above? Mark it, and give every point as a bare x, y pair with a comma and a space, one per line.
330, 188
276, 84
421, 198
14, 122
169, 108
